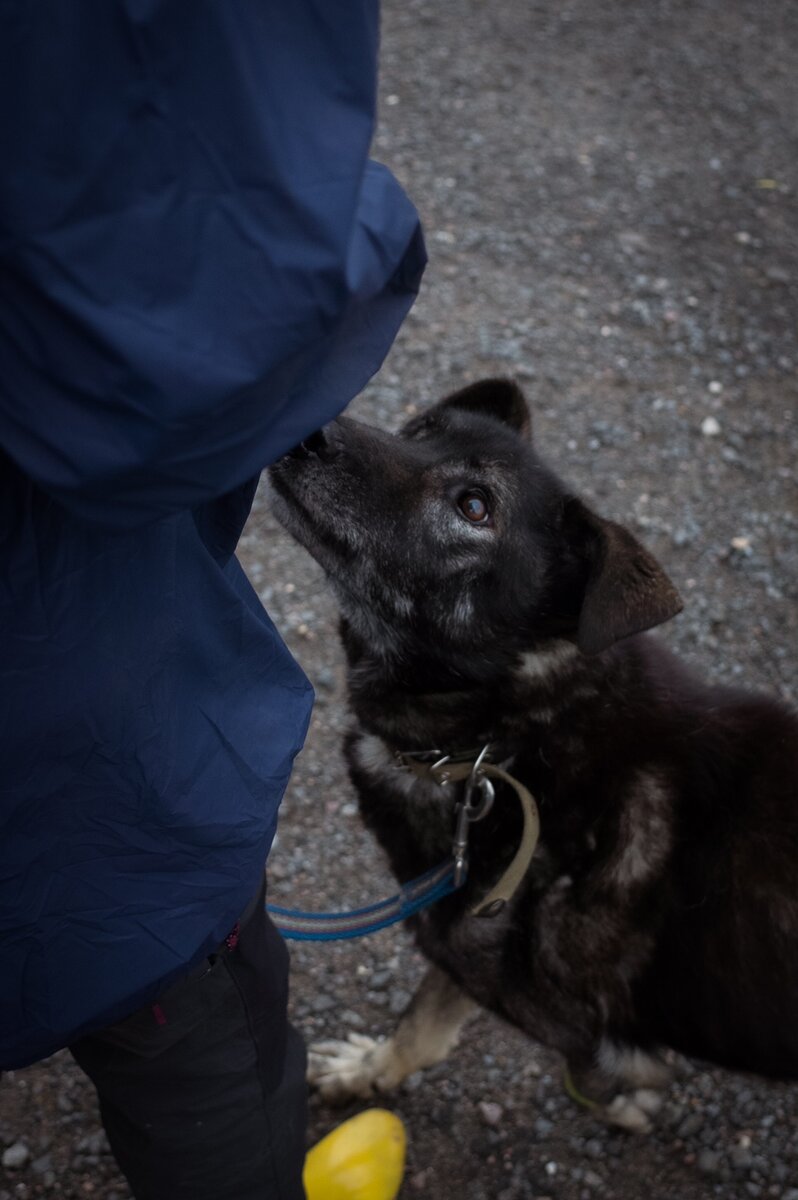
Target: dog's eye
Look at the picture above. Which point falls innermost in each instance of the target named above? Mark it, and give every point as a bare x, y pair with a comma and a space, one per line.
474, 507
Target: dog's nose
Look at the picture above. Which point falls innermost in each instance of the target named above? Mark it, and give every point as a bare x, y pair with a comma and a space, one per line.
318, 444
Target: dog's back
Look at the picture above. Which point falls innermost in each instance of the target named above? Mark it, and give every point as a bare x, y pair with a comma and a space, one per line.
723, 983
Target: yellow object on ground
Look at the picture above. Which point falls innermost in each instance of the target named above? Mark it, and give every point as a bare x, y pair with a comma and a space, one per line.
363, 1159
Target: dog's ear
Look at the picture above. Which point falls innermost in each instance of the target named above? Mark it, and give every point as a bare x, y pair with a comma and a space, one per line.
627, 590
498, 398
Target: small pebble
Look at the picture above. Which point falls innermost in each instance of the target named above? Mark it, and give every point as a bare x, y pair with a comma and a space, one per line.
16, 1156
740, 1157
690, 1125
708, 1162
490, 1112
398, 1000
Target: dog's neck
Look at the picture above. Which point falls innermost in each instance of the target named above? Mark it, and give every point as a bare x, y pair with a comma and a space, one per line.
455, 713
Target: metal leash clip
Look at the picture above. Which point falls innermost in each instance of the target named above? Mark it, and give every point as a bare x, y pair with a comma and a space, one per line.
476, 804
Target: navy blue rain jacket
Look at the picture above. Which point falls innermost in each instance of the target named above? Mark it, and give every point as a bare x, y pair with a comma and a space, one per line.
198, 267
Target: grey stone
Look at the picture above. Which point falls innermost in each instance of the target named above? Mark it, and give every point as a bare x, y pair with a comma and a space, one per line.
490, 1112
94, 1143
323, 1003
690, 1125
398, 1000
15, 1156
741, 1158
708, 1161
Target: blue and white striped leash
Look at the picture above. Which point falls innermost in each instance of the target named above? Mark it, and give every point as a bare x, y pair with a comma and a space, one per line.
299, 926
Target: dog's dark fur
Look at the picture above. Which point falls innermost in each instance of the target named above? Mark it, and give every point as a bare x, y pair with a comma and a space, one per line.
661, 907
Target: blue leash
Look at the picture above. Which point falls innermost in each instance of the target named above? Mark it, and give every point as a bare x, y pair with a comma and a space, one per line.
301, 926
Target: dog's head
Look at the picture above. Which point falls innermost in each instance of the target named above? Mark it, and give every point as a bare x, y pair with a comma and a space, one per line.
453, 533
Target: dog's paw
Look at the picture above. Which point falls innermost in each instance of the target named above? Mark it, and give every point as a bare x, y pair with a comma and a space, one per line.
357, 1067
633, 1110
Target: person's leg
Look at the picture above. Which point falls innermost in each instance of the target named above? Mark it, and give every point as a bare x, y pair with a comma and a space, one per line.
203, 1095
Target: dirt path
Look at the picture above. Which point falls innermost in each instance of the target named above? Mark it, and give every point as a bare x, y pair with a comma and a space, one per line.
609, 193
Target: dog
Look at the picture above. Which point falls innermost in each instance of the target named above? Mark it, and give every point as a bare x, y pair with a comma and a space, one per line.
483, 604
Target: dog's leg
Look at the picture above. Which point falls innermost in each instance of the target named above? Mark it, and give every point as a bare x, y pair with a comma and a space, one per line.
427, 1031
621, 1085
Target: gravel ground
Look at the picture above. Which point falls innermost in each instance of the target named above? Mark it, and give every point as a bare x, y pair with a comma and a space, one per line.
609, 193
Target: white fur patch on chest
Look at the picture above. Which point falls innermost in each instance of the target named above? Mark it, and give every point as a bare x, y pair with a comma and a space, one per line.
377, 759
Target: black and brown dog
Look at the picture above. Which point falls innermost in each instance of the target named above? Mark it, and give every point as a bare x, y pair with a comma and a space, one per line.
483, 603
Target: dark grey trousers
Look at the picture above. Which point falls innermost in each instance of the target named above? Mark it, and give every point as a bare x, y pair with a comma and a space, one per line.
203, 1094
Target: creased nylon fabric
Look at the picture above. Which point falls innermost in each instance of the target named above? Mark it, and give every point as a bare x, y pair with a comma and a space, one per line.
198, 266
